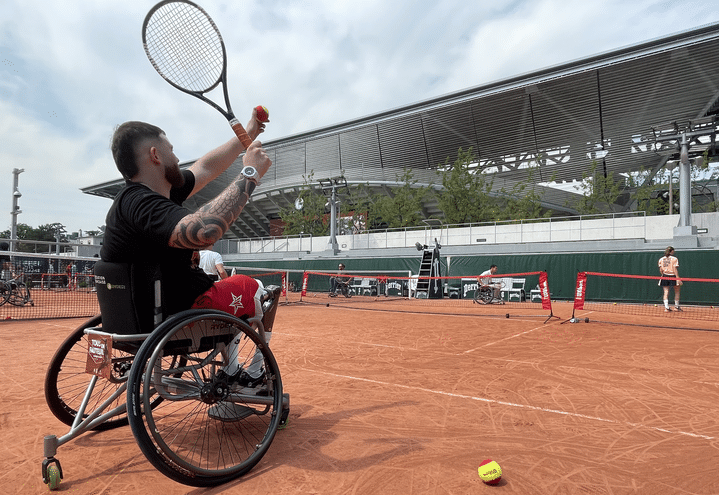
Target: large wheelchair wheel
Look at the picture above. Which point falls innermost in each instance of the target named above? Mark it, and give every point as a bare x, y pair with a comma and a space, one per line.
208, 430
4, 292
66, 381
19, 295
483, 295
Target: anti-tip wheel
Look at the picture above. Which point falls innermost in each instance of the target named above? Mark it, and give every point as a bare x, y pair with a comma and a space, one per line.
53, 477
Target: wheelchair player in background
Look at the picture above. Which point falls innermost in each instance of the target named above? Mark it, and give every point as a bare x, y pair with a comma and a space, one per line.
489, 290
340, 283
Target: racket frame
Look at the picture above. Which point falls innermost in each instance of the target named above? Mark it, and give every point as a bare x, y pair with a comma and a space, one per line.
237, 127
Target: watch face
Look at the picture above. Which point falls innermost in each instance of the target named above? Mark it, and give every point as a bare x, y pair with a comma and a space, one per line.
249, 172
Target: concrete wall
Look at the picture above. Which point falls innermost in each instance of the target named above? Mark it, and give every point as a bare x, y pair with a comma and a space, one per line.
586, 234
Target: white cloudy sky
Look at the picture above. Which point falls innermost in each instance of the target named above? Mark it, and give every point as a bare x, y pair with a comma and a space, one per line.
70, 71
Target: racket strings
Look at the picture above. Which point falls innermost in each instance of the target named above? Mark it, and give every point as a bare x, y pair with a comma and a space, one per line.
185, 46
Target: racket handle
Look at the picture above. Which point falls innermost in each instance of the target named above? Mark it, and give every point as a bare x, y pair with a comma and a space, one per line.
241, 133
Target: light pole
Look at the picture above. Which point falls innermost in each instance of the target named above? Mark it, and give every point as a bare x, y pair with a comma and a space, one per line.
692, 137
15, 208
330, 188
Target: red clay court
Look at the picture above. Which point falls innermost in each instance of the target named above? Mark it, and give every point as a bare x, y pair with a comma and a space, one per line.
410, 403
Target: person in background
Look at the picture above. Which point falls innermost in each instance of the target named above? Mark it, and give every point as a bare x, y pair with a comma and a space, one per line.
211, 263
338, 280
669, 271
5, 262
485, 278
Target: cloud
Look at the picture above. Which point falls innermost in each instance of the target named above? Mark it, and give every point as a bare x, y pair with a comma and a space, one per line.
71, 72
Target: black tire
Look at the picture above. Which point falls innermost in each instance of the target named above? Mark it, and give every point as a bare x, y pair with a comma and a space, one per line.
483, 295
169, 435
4, 293
66, 381
19, 295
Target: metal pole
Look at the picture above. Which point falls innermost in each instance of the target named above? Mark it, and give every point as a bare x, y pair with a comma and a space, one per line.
333, 220
15, 208
685, 185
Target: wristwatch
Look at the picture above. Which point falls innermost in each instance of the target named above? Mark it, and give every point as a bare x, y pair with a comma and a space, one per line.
251, 174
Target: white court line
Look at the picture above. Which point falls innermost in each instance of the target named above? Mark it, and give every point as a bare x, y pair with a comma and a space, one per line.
502, 340
512, 404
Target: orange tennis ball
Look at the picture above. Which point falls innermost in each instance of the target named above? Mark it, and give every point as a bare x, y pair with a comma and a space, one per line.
263, 115
490, 472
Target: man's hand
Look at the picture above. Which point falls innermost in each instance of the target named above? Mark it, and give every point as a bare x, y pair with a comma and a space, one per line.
254, 127
256, 157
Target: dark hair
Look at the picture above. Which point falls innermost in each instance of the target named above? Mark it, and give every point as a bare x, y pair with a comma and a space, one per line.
493, 266
4, 246
124, 144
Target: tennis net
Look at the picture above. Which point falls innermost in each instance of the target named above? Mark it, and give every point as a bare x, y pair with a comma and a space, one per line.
501, 295
642, 295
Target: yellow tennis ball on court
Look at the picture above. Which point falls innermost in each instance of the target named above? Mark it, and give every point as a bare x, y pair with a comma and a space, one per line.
490, 472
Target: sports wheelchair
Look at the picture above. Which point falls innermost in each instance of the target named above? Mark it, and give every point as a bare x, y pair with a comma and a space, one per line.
486, 294
15, 292
164, 376
341, 286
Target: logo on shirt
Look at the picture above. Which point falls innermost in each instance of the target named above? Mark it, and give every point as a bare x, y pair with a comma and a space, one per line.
236, 302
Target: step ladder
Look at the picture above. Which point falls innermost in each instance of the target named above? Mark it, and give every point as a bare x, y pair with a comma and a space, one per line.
425, 271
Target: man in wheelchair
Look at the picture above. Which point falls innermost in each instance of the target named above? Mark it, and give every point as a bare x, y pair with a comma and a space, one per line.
148, 225
340, 283
489, 290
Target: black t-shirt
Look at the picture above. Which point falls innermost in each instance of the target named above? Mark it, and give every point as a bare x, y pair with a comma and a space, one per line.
138, 229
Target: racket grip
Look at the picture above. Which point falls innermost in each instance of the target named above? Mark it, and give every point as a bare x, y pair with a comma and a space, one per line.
241, 133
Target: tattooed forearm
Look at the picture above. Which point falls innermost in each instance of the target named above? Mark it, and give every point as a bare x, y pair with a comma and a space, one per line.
207, 225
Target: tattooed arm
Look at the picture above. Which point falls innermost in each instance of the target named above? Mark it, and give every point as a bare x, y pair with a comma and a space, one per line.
207, 225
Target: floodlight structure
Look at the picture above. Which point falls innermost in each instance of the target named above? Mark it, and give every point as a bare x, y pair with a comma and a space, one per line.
16, 194
688, 139
331, 188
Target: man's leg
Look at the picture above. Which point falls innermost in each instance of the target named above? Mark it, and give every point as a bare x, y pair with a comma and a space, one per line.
676, 297
666, 298
238, 295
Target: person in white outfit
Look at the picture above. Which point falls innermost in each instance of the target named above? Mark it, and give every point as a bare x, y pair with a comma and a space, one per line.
211, 263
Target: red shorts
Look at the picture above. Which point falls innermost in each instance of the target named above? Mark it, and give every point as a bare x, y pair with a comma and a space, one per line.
238, 295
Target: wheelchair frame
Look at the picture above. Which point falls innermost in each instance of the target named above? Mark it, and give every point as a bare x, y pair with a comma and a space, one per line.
175, 393
15, 292
485, 295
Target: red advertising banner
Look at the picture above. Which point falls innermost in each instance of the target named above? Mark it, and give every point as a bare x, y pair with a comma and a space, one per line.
581, 290
544, 291
305, 276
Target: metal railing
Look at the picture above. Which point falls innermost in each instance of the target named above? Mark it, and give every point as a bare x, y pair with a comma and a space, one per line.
629, 225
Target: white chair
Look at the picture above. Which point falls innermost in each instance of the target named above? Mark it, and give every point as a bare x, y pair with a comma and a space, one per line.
516, 289
535, 295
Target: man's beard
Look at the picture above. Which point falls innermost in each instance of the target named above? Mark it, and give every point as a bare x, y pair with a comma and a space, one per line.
174, 176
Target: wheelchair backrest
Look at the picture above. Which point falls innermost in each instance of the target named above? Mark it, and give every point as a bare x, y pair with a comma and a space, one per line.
129, 296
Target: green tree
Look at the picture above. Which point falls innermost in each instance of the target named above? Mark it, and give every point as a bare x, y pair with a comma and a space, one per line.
311, 217
403, 207
522, 201
599, 193
465, 197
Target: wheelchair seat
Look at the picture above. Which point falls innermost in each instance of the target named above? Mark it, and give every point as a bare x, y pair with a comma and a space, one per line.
129, 296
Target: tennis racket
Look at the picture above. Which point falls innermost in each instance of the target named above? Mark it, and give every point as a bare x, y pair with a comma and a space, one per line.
185, 47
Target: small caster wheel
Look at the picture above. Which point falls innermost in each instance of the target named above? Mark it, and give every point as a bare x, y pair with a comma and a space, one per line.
53, 477
51, 473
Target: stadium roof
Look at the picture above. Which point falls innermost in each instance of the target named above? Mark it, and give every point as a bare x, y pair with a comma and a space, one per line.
601, 108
